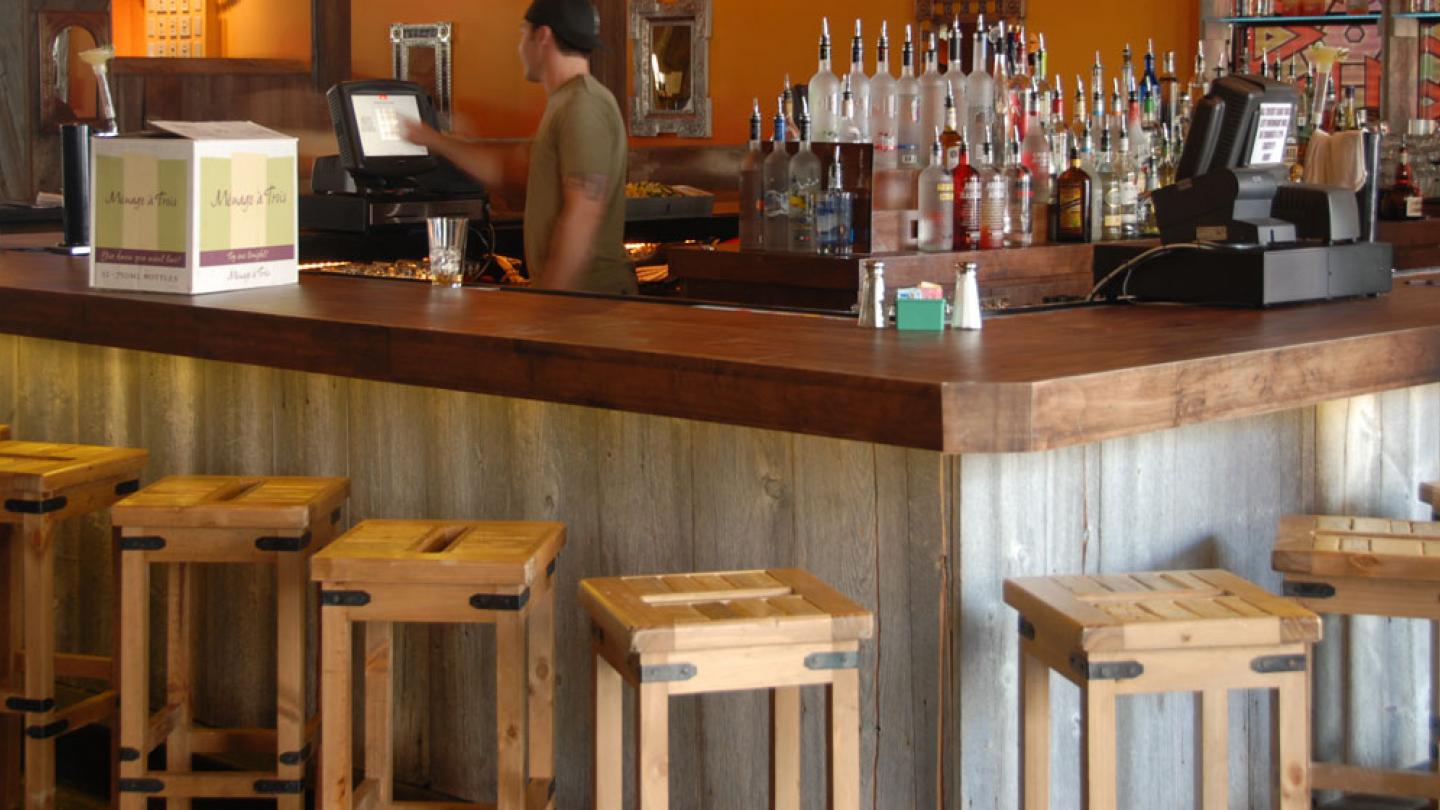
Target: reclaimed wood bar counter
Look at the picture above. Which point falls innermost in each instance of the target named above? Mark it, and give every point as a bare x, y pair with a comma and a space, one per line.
914, 471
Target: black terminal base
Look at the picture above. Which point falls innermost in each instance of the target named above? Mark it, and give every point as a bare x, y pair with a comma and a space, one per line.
1251, 278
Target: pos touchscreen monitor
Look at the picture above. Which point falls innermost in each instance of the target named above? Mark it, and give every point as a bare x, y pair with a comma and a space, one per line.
367, 117
1243, 122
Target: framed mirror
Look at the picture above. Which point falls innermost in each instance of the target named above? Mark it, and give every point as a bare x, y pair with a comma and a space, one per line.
421, 54
69, 91
671, 44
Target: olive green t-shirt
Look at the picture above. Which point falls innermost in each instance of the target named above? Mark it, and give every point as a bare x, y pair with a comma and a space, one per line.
581, 134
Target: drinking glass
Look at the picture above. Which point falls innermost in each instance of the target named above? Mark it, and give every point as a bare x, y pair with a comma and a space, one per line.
447, 249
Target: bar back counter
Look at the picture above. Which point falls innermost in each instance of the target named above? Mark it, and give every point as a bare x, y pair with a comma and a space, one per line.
913, 471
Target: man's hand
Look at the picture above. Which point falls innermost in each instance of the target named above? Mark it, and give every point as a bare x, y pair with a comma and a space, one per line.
470, 158
422, 134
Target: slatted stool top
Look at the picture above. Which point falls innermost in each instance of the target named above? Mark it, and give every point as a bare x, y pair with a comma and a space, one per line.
721, 610
1160, 610
459, 552
1377, 548
43, 468
233, 502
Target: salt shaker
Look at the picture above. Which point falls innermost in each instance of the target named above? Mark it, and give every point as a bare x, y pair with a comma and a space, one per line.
872, 296
967, 298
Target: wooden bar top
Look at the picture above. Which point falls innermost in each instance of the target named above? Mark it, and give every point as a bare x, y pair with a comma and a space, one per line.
1027, 382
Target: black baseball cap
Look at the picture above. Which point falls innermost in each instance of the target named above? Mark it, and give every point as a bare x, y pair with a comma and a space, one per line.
576, 23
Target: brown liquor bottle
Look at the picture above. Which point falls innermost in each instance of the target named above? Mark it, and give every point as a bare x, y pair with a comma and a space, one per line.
966, 233
1073, 198
1403, 200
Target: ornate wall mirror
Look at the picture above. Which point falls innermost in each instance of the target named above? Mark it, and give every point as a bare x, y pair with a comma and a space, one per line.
421, 54
69, 92
671, 43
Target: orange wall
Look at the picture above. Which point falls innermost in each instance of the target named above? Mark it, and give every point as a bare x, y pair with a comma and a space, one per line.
754, 44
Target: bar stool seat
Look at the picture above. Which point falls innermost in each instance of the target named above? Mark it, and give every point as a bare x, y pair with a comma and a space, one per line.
690, 634
185, 521
1178, 631
387, 571
1353, 566
42, 484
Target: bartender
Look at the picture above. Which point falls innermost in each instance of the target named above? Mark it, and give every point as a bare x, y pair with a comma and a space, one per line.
575, 196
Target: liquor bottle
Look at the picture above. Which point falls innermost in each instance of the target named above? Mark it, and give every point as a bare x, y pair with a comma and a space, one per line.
752, 187
1403, 200
776, 178
824, 91
932, 90
804, 188
1145, 207
1349, 115
1169, 155
848, 123
1127, 68
950, 138
884, 106
1199, 83
907, 93
1116, 121
979, 90
834, 212
1111, 224
1079, 122
994, 202
1149, 82
1019, 88
955, 73
1042, 86
1020, 186
967, 185
1035, 151
1097, 95
1127, 168
1093, 159
937, 204
792, 129
1135, 127
1169, 91
1072, 195
1059, 138
859, 87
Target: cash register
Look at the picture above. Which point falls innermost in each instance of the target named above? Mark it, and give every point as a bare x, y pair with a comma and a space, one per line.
1235, 231
379, 181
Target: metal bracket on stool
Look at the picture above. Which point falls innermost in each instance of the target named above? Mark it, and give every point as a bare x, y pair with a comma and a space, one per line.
28, 705
295, 757
1027, 630
127, 487
148, 543
45, 507
833, 660
344, 598
141, 786
283, 543
1269, 664
335, 516
667, 673
1106, 670
279, 786
129, 754
550, 569
495, 601
1309, 590
55, 729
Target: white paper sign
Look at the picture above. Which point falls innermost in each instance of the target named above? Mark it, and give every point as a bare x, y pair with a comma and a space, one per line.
1270, 135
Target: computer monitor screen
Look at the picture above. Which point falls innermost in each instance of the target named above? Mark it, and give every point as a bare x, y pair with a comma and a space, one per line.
1243, 122
368, 115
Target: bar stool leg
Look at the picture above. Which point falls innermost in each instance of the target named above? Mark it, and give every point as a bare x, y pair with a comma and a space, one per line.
134, 669
607, 781
335, 684
37, 536
785, 740
1294, 734
291, 581
180, 672
12, 632
844, 700
1098, 749
1034, 732
542, 684
510, 710
652, 761
1215, 748
379, 709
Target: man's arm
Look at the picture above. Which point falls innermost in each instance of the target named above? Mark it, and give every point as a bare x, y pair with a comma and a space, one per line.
473, 159
572, 242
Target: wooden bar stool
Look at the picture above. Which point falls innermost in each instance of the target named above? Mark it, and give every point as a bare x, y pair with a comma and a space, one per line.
387, 571
1353, 566
694, 634
40, 485
1178, 631
186, 521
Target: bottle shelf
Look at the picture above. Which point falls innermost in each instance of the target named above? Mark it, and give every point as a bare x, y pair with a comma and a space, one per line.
1418, 15
1318, 19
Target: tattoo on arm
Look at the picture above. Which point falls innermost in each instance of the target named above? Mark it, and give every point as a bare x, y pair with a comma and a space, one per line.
595, 186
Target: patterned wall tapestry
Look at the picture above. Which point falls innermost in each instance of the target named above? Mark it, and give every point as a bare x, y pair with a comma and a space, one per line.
1362, 69
1430, 71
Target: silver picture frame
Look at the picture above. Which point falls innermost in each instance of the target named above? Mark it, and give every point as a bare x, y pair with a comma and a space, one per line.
670, 40
434, 71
